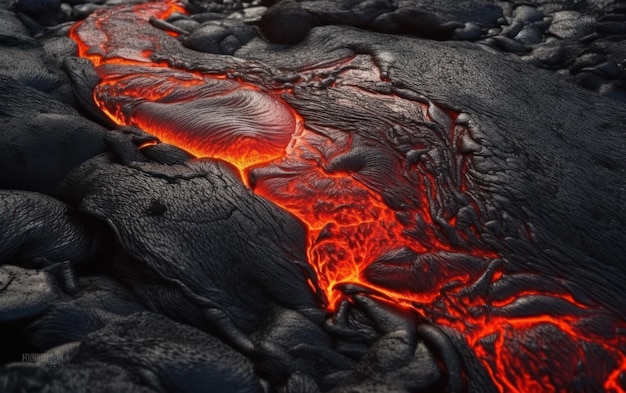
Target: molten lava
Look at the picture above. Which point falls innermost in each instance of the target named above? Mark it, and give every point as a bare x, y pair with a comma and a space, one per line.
397, 247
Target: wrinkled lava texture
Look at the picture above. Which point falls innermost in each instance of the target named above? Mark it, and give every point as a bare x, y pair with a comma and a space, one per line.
377, 202
313, 196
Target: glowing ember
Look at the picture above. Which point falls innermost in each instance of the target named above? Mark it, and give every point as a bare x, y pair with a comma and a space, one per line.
338, 182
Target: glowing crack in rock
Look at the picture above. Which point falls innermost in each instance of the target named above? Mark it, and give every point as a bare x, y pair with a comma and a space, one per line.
366, 200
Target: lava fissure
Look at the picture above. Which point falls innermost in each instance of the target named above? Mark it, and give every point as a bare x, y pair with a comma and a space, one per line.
389, 208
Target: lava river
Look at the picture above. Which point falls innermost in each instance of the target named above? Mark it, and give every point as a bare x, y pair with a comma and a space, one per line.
395, 246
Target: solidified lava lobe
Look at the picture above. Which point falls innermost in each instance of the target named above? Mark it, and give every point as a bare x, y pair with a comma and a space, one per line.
208, 117
368, 202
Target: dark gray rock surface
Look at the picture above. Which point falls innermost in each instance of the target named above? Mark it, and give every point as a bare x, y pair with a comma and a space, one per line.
197, 217
43, 139
286, 22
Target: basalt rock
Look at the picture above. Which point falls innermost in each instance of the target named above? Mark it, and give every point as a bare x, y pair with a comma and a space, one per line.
36, 227
197, 217
43, 138
286, 23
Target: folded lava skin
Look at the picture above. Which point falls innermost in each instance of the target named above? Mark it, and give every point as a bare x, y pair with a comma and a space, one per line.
312, 204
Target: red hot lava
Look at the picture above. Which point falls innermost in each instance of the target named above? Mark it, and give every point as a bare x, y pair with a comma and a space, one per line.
321, 176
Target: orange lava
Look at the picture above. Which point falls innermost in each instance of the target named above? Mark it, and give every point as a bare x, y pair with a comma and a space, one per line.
350, 225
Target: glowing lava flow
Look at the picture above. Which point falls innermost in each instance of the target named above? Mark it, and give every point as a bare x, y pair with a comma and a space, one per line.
178, 106
392, 246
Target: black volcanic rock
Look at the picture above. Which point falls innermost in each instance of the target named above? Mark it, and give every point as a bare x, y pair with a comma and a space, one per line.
43, 138
197, 216
35, 227
415, 22
100, 301
206, 38
144, 352
286, 23
24, 293
37, 7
